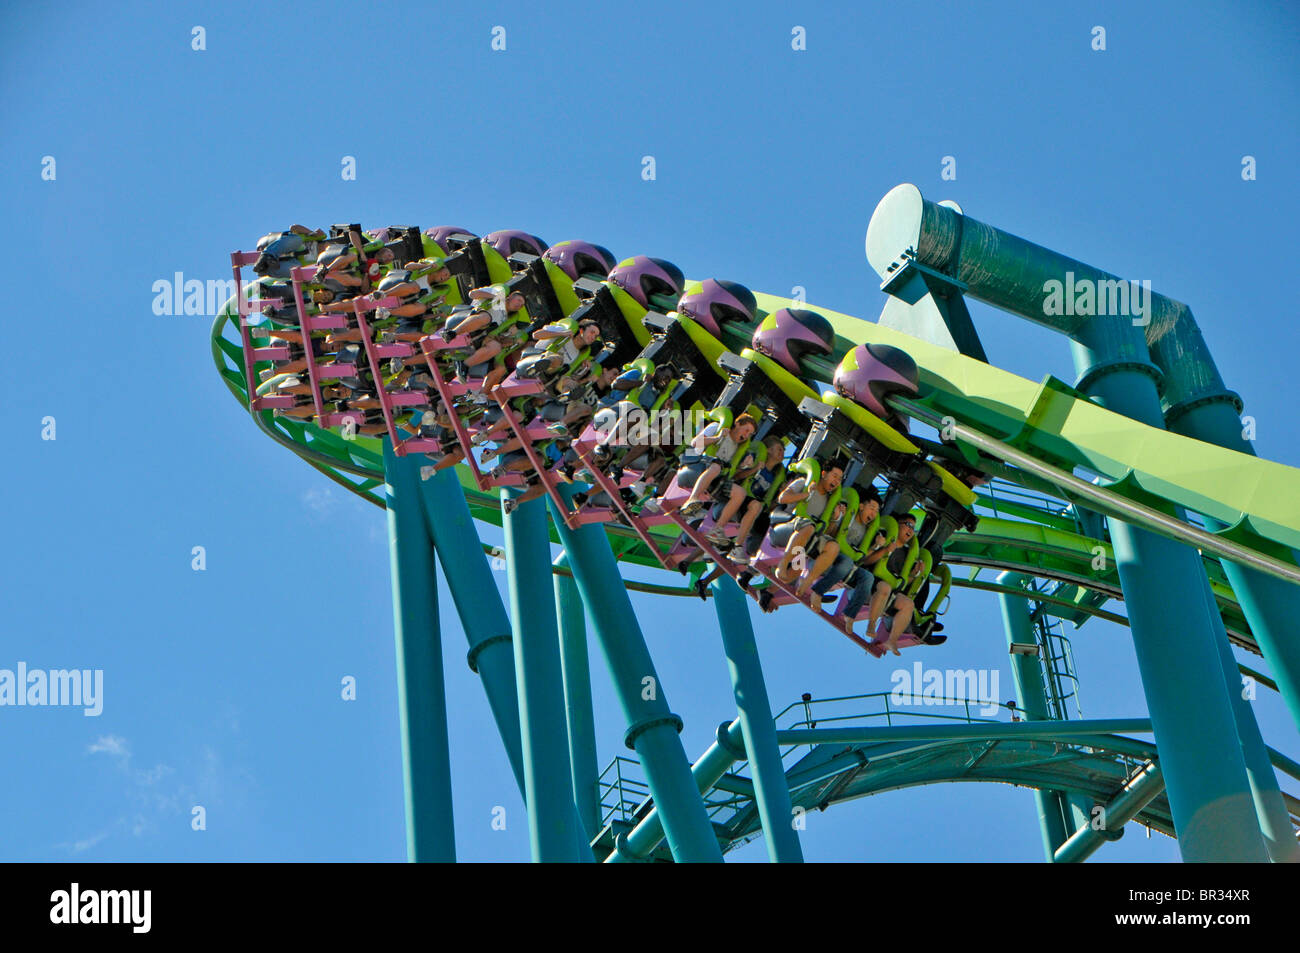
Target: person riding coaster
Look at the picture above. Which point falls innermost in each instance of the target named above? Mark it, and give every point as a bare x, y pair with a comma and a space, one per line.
491, 354
807, 507
898, 572
724, 445
924, 628
861, 538
554, 455
281, 252
640, 398
474, 262
760, 490
620, 303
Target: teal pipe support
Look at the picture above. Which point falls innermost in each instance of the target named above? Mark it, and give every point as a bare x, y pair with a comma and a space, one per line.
1137, 793
552, 830
1027, 672
1270, 808
653, 730
580, 716
421, 692
771, 793
478, 603
1182, 674
717, 760
1271, 605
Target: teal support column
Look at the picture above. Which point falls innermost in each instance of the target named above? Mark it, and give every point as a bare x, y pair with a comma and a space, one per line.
552, 827
1182, 673
1270, 605
1027, 673
1271, 809
421, 692
771, 792
653, 730
478, 601
580, 716
640, 842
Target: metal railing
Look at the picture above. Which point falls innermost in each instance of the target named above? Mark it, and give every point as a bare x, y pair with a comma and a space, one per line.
625, 795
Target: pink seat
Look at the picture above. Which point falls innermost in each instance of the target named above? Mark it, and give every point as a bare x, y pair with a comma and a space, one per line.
408, 399
358, 417
277, 353
431, 344
514, 387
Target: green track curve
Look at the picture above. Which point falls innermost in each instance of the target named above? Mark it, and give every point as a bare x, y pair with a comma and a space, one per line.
1257, 498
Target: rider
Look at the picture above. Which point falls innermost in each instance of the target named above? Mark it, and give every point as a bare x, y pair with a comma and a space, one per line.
882, 588
857, 541
722, 444
801, 511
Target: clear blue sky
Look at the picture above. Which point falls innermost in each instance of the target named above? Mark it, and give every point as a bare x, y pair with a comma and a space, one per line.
222, 687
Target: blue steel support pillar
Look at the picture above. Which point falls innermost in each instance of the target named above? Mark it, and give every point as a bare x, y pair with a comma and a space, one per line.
552, 829
1182, 673
577, 699
1270, 605
652, 728
478, 601
421, 693
1274, 818
1027, 672
771, 792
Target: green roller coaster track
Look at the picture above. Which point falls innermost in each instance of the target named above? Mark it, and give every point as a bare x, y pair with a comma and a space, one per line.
1052, 451
1030, 536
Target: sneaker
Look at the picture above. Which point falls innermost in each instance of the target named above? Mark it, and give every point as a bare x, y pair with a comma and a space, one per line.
718, 538
765, 601
559, 430
691, 510
702, 590
426, 473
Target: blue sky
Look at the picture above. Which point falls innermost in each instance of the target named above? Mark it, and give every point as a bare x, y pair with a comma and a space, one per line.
222, 686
